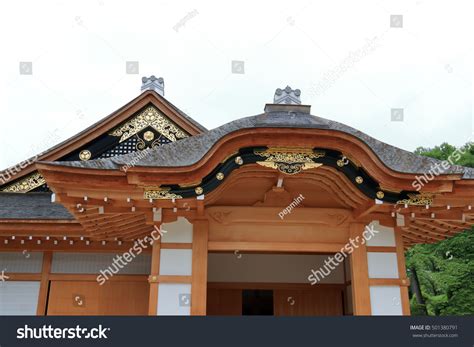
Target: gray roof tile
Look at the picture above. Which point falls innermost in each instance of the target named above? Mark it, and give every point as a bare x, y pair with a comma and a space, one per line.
30, 206
190, 150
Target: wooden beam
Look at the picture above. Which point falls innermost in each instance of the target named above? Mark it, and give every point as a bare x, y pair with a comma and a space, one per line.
365, 210
422, 235
402, 274
174, 279
297, 247
155, 271
388, 282
384, 249
360, 273
65, 246
199, 268
176, 245
44, 284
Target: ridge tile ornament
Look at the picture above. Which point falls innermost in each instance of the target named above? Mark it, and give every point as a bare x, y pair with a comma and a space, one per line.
160, 194
150, 117
287, 96
153, 83
417, 200
289, 161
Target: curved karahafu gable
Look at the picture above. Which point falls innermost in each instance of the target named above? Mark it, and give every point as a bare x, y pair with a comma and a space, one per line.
191, 150
285, 143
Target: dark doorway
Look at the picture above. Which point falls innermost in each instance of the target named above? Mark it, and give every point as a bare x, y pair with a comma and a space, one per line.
257, 302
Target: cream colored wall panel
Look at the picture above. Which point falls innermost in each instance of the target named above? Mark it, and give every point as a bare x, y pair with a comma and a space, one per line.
384, 237
180, 231
174, 299
382, 265
176, 262
385, 301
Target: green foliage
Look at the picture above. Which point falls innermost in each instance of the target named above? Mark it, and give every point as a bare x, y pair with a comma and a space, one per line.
446, 269
446, 152
445, 273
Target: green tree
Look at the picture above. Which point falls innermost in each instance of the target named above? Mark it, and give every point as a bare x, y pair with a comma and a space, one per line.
445, 151
445, 270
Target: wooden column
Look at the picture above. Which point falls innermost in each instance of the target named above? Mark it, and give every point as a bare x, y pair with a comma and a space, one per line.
199, 269
44, 286
153, 279
402, 273
359, 272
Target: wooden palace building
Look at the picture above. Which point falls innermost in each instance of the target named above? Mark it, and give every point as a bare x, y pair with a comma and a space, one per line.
283, 213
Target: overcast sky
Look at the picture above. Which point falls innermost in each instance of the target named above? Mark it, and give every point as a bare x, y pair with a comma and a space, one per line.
353, 62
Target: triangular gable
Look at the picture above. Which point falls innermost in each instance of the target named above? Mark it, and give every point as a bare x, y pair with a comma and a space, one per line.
147, 121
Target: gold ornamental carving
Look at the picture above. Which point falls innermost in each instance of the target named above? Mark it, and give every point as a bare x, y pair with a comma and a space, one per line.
289, 161
25, 185
160, 194
150, 117
417, 200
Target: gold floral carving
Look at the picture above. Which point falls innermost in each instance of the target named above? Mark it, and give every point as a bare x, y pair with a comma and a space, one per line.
150, 117
417, 200
27, 184
289, 161
160, 194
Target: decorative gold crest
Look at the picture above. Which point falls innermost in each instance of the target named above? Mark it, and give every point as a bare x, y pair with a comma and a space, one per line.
359, 180
160, 194
380, 194
150, 117
220, 176
148, 136
85, 155
289, 161
27, 184
417, 200
199, 190
239, 160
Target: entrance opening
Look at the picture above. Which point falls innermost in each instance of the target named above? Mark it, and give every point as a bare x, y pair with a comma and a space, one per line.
275, 284
257, 302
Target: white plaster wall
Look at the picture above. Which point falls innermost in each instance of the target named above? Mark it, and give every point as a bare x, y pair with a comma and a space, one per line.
176, 262
22, 262
19, 298
93, 263
382, 265
271, 268
384, 237
174, 299
180, 231
385, 301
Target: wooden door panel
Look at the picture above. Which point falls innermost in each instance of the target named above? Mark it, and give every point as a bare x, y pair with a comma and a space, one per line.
308, 302
224, 302
89, 298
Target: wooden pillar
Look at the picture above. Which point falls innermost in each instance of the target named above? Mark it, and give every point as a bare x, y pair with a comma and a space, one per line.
153, 279
199, 269
402, 273
44, 285
359, 272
